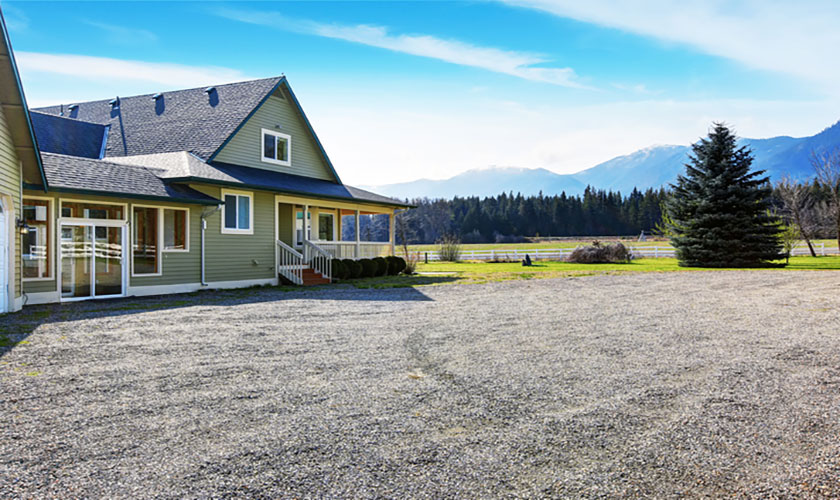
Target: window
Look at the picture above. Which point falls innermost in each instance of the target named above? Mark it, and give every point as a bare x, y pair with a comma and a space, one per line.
36, 242
175, 230
237, 213
325, 227
145, 248
81, 210
276, 147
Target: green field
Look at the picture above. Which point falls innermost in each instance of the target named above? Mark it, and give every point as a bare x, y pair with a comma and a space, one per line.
438, 273
573, 243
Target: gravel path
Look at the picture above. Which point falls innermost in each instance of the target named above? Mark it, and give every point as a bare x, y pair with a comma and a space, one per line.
665, 385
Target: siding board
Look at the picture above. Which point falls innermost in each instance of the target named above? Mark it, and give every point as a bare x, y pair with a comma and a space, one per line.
245, 148
10, 183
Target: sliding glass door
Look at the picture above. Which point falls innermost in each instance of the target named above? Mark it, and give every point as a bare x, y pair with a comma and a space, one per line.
92, 261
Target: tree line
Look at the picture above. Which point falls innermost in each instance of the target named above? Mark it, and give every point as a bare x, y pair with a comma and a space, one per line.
509, 218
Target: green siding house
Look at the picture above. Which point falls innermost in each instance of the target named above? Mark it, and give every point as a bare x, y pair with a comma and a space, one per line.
19, 164
213, 187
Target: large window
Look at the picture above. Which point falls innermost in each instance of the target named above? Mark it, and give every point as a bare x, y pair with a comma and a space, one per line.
276, 147
36, 242
325, 226
84, 210
145, 236
175, 230
237, 213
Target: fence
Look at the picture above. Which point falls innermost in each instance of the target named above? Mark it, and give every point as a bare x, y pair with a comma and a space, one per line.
558, 254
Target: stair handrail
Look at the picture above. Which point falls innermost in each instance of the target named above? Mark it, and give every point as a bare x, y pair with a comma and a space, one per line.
318, 259
290, 263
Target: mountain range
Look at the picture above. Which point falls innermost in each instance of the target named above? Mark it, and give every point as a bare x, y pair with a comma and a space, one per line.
647, 168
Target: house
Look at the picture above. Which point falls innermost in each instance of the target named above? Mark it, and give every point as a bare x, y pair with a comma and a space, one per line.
213, 187
19, 164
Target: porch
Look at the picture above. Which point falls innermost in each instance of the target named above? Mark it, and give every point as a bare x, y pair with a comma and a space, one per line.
310, 235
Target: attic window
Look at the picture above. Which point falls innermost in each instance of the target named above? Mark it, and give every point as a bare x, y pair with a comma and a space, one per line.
276, 148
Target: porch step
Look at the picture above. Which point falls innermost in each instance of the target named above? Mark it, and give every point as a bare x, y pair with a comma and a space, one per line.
312, 277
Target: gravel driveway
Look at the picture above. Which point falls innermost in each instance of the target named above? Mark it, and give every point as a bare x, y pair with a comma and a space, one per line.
666, 385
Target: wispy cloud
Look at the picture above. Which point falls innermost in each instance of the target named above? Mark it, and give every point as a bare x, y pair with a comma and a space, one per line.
796, 38
122, 34
524, 65
89, 77
16, 19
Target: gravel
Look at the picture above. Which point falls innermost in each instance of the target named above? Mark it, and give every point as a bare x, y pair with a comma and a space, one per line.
664, 385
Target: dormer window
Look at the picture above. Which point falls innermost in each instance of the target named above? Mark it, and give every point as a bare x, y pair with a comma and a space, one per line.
276, 148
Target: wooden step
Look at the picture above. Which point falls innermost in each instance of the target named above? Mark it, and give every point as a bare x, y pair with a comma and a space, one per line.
312, 277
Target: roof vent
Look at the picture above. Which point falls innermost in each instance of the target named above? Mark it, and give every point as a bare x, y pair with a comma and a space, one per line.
209, 90
115, 102
73, 107
157, 96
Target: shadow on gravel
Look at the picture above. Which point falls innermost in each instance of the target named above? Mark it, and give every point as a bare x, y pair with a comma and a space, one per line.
16, 327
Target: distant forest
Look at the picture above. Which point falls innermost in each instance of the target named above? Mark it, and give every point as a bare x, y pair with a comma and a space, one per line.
509, 218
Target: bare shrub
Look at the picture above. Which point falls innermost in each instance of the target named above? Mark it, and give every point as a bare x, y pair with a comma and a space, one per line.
411, 260
449, 249
599, 254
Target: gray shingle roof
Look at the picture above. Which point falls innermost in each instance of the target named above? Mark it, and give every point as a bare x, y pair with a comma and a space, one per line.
66, 136
182, 120
73, 173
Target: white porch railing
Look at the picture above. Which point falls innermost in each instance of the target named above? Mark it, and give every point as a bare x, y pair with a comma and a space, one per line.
318, 259
350, 250
290, 263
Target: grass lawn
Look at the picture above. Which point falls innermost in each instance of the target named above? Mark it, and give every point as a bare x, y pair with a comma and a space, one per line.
438, 273
573, 243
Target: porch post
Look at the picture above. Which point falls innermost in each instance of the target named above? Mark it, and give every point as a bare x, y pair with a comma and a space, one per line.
358, 245
305, 222
391, 238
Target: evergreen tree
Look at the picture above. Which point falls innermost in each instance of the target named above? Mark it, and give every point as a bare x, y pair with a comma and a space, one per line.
719, 211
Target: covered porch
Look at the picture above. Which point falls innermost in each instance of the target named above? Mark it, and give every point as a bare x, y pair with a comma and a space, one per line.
312, 232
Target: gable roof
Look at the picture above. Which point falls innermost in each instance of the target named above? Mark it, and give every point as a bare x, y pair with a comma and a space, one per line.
57, 134
86, 175
13, 102
182, 120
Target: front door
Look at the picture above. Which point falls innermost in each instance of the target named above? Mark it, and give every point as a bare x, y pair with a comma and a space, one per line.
92, 261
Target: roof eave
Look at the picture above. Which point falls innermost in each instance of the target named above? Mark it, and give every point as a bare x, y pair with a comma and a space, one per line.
93, 192
204, 180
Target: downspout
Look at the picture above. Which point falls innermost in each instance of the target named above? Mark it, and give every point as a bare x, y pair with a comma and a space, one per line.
204, 216
20, 240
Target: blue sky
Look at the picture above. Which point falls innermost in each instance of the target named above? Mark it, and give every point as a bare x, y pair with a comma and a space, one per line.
403, 90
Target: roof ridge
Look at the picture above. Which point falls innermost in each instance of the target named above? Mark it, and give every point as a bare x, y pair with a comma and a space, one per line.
75, 120
150, 94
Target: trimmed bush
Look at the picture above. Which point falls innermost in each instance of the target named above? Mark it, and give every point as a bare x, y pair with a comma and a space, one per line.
393, 265
338, 270
369, 268
354, 269
599, 254
401, 265
381, 266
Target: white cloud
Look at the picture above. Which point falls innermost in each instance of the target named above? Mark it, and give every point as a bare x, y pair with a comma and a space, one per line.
89, 77
796, 38
518, 64
122, 34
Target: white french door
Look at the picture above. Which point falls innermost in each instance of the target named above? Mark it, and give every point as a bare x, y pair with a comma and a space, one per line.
93, 263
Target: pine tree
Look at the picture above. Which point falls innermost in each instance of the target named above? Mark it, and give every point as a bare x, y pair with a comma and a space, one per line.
719, 211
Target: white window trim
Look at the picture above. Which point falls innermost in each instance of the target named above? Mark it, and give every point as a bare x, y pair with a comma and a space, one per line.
50, 237
232, 192
159, 245
332, 215
287, 137
99, 222
186, 248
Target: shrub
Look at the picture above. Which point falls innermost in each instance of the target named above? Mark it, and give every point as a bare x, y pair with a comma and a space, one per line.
338, 269
391, 261
400, 264
599, 254
369, 268
410, 264
449, 249
354, 269
381, 266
